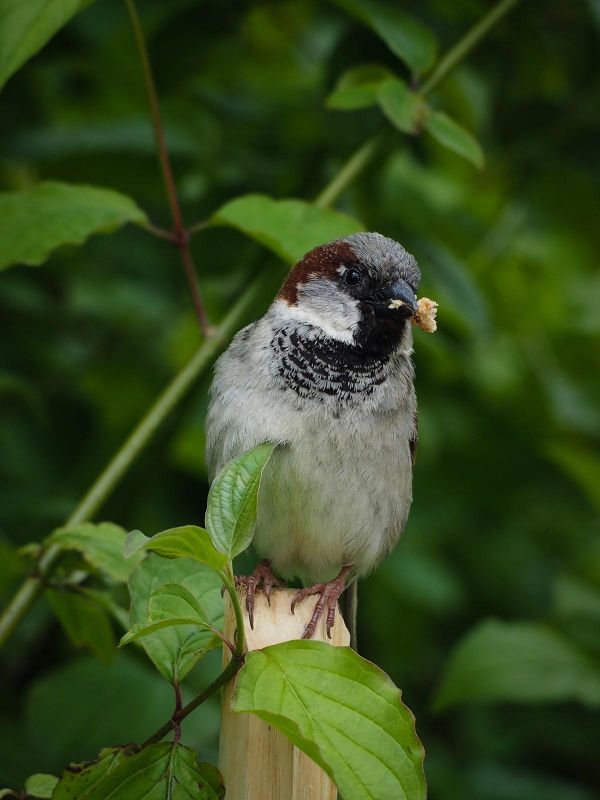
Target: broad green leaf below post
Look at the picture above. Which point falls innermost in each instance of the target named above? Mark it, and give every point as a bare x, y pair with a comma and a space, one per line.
158, 772
519, 662
289, 228
36, 221
25, 27
341, 710
233, 500
78, 780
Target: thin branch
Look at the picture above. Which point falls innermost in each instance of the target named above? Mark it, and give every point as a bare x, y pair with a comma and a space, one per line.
228, 673
464, 46
178, 704
181, 235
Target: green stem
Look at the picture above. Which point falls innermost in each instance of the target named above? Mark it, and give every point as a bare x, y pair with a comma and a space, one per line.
351, 169
181, 235
33, 586
464, 46
240, 638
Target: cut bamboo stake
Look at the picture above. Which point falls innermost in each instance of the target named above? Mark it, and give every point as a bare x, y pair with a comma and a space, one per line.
256, 760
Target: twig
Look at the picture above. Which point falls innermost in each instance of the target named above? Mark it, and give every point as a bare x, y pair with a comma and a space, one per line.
228, 673
181, 235
176, 721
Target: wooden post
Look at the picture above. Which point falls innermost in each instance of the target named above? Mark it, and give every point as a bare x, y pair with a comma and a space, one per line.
256, 760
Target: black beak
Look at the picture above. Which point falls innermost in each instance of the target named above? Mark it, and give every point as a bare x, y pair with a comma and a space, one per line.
396, 301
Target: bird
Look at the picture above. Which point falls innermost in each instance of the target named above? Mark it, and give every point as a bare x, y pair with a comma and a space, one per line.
326, 374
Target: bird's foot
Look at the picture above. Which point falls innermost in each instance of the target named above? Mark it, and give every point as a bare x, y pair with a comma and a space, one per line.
329, 594
262, 576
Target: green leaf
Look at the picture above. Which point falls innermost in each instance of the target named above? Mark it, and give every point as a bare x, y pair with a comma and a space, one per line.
40, 785
404, 109
85, 622
172, 599
343, 711
121, 772
187, 541
8, 793
290, 228
36, 221
101, 545
357, 87
160, 772
233, 500
134, 541
405, 37
176, 649
212, 788
25, 27
169, 605
521, 662
78, 780
451, 135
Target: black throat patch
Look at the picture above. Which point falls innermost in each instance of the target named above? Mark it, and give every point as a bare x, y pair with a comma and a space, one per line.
317, 366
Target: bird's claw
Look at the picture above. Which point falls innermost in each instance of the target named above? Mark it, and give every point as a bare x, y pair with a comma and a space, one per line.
329, 594
262, 577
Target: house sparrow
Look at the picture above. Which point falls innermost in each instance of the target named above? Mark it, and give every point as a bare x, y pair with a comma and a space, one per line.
327, 373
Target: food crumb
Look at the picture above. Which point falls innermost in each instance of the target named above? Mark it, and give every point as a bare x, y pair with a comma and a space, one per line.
425, 316
396, 304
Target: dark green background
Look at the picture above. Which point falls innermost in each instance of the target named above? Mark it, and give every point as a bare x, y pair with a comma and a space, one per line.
507, 482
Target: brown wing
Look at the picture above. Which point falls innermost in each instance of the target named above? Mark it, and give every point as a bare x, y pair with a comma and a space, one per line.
414, 441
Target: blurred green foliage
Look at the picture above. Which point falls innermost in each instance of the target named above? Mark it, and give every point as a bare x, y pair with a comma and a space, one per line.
505, 517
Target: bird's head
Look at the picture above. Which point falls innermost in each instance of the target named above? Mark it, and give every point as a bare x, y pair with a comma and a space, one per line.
360, 290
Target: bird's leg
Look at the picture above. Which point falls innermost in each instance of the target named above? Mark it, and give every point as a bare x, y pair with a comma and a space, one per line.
329, 594
263, 574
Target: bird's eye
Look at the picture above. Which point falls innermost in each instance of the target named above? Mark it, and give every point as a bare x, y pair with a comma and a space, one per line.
352, 277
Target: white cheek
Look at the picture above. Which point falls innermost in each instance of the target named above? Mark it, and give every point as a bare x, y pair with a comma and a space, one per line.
322, 304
